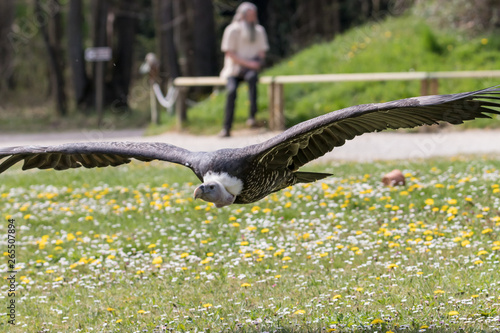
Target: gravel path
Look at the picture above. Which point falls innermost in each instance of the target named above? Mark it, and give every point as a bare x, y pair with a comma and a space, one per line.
368, 147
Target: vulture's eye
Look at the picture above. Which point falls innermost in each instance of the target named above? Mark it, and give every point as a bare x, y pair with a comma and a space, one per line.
211, 187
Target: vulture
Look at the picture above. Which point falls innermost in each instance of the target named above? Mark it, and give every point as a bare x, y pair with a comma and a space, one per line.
248, 174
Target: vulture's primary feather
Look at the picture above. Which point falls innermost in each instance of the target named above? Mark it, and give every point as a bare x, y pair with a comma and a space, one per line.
248, 174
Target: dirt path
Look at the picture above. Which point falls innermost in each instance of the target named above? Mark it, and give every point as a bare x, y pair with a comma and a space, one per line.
368, 147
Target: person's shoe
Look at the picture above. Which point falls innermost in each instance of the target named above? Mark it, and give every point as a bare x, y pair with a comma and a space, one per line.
224, 134
251, 123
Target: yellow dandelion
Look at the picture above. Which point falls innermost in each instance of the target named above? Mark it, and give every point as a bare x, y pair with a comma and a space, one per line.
207, 305
110, 309
299, 312
429, 202
377, 321
487, 231
184, 255
157, 261
286, 258
150, 246
264, 230
141, 311
119, 321
439, 291
390, 266
246, 285
453, 313
337, 296
57, 279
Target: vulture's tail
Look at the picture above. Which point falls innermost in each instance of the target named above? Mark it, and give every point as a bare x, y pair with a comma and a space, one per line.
308, 177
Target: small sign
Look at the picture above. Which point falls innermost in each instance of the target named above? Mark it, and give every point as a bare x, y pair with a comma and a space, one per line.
98, 53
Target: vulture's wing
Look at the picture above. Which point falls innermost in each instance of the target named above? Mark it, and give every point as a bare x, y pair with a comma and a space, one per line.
313, 138
93, 154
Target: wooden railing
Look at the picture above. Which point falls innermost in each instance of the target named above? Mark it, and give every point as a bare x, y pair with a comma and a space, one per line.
429, 85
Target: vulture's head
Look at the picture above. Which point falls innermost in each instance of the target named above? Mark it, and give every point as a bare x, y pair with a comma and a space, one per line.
219, 188
214, 192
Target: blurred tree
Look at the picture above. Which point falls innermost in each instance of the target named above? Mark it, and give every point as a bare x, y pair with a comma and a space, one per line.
49, 19
167, 50
6, 20
75, 51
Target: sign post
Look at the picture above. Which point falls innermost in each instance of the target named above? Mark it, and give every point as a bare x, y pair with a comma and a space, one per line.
98, 55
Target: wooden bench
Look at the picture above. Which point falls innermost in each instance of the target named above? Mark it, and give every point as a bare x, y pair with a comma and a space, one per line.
429, 85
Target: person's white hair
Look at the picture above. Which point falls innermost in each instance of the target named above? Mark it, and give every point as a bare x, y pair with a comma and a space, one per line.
242, 9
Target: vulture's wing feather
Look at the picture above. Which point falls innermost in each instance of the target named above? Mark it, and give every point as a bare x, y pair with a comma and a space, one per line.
93, 154
314, 138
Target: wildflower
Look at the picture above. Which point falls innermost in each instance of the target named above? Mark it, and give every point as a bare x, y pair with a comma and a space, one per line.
246, 284
157, 261
70, 237
264, 230
207, 305
429, 202
141, 311
390, 266
480, 253
286, 258
453, 313
359, 289
184, 255
337, 296
119, 321
439, 291
277, 276
150, 246
299, 312
110, 309
57, 279
487, 231
377, 321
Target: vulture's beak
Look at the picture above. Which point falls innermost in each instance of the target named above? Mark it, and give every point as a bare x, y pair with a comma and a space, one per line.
199, 191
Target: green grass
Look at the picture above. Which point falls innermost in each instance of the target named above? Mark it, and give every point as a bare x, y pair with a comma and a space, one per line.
400, 44
341, 255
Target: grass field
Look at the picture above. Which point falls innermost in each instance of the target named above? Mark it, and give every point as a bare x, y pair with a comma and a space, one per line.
127, 249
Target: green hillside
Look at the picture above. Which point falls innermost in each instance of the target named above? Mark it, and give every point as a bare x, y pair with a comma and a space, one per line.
398, 44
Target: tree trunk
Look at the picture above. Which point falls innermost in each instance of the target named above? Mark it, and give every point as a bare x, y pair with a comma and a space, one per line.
205, 61
6, 20
183, 34
49, 19
81, 83
167, 51
125, 23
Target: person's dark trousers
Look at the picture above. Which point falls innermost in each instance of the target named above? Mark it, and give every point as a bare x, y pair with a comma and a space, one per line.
251, 78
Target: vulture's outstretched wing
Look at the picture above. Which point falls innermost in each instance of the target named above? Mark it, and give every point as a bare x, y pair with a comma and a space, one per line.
93, 154
314, 138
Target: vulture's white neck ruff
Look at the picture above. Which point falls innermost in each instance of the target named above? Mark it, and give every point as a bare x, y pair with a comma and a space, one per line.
232, 184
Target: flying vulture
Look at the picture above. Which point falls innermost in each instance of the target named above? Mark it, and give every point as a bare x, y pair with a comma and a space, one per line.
245, 175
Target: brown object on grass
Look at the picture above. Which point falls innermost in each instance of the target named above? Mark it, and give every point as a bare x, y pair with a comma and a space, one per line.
394, 178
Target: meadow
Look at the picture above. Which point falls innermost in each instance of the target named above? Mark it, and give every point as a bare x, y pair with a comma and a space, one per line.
127, 249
